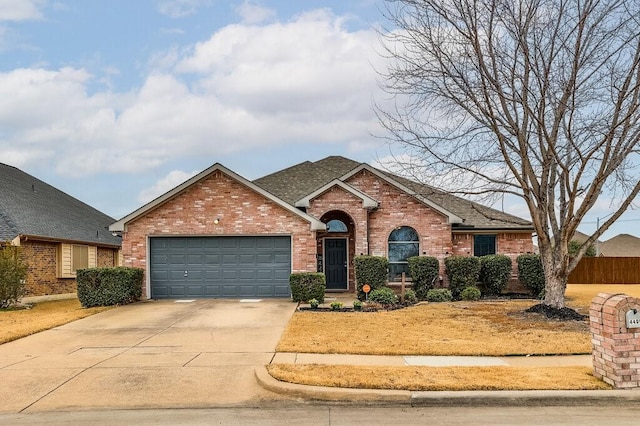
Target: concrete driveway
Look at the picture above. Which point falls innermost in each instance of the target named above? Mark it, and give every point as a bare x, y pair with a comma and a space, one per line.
147, 355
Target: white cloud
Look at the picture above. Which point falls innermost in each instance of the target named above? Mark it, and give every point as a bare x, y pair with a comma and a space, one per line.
21, 10
180, 8
252, 13
167, 183
307, 81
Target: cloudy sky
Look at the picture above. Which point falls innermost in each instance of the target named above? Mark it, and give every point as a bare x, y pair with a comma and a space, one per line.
116, 102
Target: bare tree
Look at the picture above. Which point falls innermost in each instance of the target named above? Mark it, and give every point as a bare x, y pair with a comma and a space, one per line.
535, 98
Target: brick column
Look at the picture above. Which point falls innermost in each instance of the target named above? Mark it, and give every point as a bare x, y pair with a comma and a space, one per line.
616, 348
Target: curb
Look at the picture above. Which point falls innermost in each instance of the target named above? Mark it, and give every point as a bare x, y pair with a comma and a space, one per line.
535, 398
326, 393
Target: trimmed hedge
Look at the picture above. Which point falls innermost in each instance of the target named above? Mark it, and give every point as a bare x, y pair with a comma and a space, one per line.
384, 296
307, 285
109, 286
439, 295
424, 270
471, 293
495, 270
531, 274
463, 272
372, 270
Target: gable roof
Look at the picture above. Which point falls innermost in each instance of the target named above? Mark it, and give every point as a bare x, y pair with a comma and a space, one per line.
120, 225
32, 208
623, 245
298, 182
367, 202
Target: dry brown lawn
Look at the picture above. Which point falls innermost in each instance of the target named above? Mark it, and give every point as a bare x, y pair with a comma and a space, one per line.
490, 328
15, 324
498, 328
439, 378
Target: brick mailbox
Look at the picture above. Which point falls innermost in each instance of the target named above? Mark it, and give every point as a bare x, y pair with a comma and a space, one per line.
615, 338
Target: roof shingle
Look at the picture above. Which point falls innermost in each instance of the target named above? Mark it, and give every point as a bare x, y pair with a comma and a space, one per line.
29, 206
296, 182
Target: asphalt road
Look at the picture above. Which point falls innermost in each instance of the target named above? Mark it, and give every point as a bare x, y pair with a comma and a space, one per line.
304, 414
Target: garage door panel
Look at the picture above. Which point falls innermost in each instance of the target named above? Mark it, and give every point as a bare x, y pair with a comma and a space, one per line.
247, 274
212, 291
229, 259
220, 267
247, 243
211, 275
230, 274
229, 243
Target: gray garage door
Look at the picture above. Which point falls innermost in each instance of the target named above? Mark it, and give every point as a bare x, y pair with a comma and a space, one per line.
191, 267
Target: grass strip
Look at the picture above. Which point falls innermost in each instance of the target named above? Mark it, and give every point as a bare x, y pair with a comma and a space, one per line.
439, 378
18, 323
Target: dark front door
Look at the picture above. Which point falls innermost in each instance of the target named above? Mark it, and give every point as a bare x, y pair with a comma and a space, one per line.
335, 267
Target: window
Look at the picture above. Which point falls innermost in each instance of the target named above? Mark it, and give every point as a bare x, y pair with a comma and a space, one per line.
79, 258
403, 243
72, 257
336, 225
484, 245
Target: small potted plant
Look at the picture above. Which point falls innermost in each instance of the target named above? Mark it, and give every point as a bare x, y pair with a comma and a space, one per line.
336, 306
314, 303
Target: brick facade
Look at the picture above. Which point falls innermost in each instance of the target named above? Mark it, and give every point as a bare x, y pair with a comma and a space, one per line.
510, 243
616, 348
42, 275
239, 210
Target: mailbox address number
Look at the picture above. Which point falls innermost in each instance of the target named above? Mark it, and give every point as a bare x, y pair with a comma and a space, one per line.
633, 318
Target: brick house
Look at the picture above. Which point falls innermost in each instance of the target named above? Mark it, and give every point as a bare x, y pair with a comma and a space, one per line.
58, 233
220, 235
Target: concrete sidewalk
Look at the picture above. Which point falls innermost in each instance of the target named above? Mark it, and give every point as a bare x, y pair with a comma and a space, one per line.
432, 361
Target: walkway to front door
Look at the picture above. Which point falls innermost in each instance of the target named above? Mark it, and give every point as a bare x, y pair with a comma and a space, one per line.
335, 267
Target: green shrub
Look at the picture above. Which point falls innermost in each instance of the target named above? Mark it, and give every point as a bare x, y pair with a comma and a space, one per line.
13, 273
471, 293
357, 305
109, 286
314, 303
495, 270
384, 296
531, 274
463, 271
307, 285
424, 271
439, 295
410, 297
336, 306
372, 270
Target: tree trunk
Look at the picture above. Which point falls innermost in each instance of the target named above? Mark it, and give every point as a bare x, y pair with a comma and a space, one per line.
556, 281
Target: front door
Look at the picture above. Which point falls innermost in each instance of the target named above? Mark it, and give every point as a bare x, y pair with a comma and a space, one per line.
335, 267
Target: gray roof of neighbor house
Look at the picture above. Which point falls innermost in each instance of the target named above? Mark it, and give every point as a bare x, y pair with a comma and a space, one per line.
33, 208
623, 245
296, 182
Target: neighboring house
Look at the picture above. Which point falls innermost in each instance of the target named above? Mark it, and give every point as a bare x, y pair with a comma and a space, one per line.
58, 233
623, 245
220, 235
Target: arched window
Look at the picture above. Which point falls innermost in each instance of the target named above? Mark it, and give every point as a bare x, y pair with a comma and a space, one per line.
403, 243
336, 225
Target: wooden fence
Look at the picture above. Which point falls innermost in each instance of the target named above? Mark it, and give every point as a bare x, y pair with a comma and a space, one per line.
606, 270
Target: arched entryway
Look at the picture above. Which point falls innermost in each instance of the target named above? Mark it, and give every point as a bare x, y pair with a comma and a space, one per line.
336, 246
